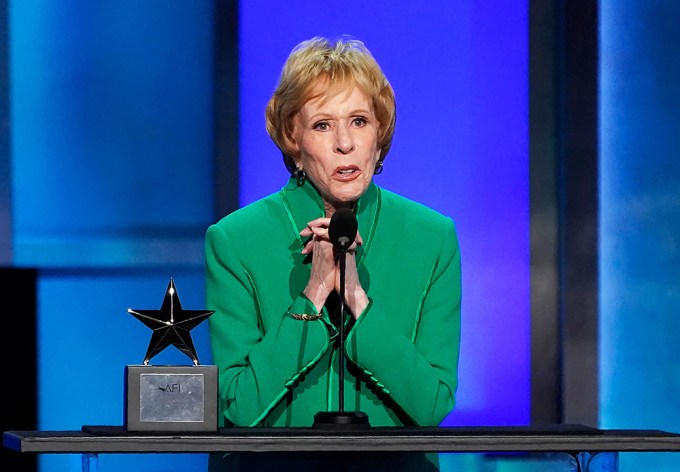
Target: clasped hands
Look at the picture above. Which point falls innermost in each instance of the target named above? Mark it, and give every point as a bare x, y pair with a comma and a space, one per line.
325, 275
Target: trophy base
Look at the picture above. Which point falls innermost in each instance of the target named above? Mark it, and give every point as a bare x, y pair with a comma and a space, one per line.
170, 398
341, 420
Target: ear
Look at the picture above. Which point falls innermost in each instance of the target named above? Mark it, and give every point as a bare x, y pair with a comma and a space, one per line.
291, 139
293, 145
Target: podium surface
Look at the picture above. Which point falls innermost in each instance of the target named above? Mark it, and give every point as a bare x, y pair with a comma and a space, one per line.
573, 439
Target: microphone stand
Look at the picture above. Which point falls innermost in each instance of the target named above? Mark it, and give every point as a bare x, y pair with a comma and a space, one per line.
341, 348
340, 418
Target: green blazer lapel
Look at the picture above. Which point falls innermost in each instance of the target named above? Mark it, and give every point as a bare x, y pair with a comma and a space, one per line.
302, 204
368, 209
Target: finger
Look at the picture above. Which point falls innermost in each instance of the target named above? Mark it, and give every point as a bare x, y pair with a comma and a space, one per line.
320, 232
308, 246
357, 242
319, 222
312, 241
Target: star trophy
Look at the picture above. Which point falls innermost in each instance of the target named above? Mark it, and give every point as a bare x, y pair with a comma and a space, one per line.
173, 398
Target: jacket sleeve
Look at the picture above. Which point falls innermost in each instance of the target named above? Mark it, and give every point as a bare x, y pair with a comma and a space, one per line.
255, 371
424, 381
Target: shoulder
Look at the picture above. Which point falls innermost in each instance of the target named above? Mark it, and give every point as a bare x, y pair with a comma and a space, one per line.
417, 226
257, 228
254, 216
397, 208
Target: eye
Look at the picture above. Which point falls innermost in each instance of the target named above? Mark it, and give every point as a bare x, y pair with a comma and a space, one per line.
359, 121
321, 126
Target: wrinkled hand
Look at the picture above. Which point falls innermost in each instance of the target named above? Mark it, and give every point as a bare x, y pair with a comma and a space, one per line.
355, 296
322, 278
325, 274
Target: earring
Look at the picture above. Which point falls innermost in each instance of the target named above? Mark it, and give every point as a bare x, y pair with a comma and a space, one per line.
378, 168
300, 176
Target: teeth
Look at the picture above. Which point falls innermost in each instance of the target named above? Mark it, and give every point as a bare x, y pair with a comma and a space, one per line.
348, 171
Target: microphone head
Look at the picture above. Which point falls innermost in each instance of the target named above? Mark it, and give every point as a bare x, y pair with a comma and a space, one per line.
342, 229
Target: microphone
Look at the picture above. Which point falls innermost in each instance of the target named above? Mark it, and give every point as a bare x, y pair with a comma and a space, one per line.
342, 229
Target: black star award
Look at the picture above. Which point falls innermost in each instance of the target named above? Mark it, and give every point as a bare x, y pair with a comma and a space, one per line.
171, 398
171, 325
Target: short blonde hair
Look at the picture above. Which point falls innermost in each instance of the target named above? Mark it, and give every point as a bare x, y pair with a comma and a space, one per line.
317, 61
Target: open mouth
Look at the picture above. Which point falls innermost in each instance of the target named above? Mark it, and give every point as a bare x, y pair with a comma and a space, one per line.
346, 173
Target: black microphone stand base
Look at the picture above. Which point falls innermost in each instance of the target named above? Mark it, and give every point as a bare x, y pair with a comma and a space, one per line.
341, 420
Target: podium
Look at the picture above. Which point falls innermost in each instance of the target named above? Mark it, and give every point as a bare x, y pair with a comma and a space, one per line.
580, 442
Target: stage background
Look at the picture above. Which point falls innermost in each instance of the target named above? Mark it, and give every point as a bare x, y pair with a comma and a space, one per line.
640, 221
117, 160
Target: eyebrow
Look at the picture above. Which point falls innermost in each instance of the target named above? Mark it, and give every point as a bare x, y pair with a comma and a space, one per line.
322, 115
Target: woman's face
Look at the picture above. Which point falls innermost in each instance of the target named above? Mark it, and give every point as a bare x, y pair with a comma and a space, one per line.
337, 145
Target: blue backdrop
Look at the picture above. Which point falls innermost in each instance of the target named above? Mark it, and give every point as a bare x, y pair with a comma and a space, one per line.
640, 221
112, 151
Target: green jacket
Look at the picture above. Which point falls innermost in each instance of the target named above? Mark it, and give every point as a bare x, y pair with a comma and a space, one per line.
402, 352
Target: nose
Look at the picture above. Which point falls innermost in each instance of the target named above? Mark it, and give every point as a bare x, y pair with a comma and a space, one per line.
344, 141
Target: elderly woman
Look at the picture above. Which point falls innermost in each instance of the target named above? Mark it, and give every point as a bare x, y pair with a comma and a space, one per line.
273, 276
